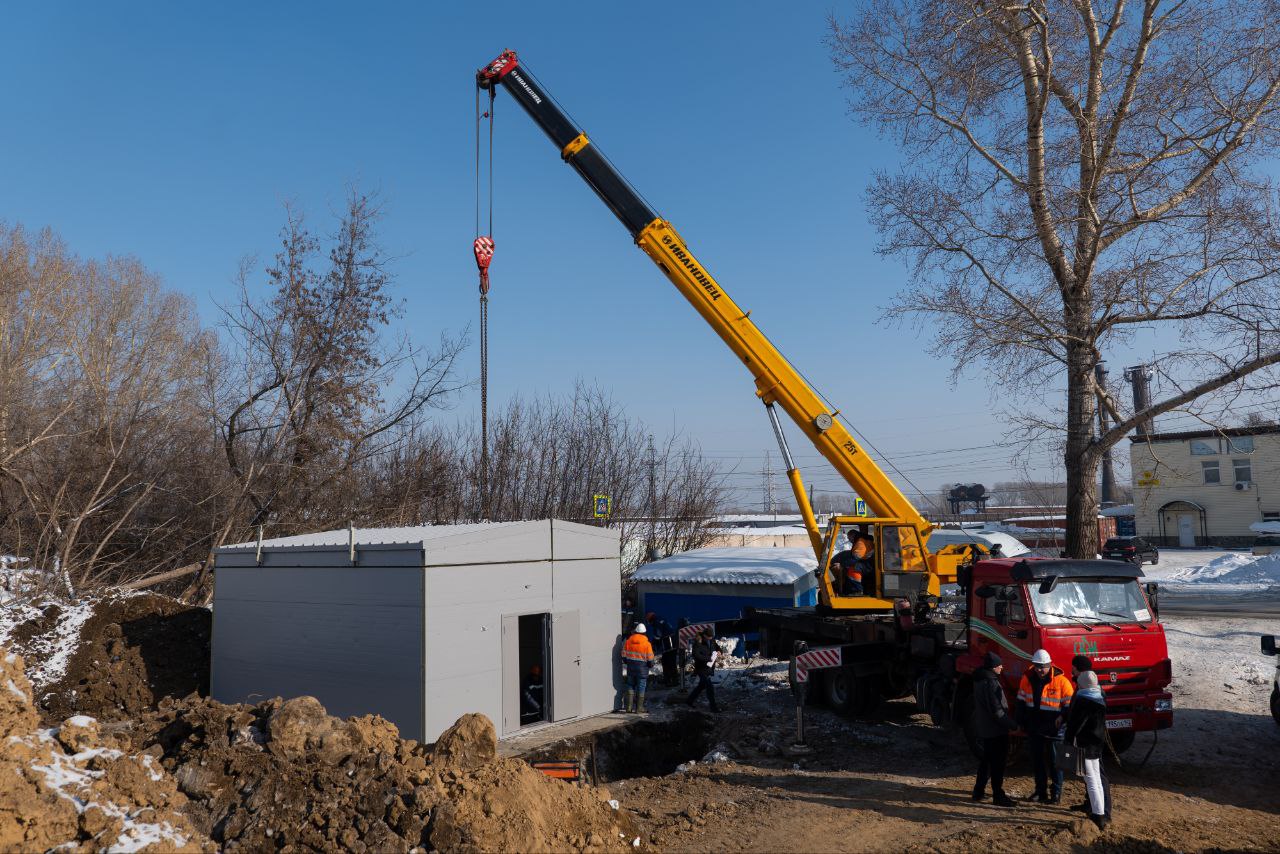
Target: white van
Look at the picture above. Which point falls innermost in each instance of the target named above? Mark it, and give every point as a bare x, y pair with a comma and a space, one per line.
1009, 546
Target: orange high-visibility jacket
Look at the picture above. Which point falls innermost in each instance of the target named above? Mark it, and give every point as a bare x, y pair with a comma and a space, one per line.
1055, 697
637, 649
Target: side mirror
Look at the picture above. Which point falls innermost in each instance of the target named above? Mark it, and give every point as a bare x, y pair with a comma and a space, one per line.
1048, 584
1268, 644
1153, 596
986, 591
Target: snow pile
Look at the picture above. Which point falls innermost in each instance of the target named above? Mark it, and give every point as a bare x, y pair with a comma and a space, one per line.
1232, 568
1270, 526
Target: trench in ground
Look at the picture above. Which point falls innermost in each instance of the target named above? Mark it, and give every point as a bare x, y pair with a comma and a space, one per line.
640, 748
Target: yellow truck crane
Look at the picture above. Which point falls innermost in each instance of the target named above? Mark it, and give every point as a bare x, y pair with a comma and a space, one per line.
904, 565
891, 641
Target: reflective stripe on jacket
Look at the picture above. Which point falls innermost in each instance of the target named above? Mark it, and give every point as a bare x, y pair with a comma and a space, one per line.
1055, 698
637, 648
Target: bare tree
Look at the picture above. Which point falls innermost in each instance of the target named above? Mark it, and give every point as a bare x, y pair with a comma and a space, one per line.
1077, 172
99, 377
305, 404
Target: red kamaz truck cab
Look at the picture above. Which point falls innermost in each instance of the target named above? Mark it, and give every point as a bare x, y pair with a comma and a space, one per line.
1094, 608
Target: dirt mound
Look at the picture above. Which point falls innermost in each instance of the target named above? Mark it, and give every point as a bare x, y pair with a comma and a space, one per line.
75, 787
114, 657
284, 773
468, 744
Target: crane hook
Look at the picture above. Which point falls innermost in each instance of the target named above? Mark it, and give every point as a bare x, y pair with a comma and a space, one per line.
484, 254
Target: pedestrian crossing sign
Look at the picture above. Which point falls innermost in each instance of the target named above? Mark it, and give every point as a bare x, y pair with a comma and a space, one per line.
600, 506
859, 507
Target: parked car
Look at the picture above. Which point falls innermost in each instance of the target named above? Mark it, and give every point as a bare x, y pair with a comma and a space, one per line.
1269, 648
1266, 544
1131, 549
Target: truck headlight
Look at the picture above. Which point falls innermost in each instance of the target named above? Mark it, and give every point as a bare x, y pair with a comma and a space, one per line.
1164, 705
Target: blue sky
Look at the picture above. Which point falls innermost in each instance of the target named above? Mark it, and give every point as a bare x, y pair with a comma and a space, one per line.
176, 132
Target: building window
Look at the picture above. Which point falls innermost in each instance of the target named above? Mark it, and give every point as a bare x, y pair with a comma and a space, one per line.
1211, 472
1240, 445
1204, 447
1244, 471
1271, 515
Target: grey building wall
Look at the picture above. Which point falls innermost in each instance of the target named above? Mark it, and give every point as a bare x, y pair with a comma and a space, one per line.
351, 638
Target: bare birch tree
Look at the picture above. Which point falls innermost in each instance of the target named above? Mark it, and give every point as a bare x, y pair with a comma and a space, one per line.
1076, 172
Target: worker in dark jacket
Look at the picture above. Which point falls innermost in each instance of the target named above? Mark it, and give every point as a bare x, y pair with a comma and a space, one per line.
1043, 698
1087, 730
854, 568
992, 725
704, 663
663, 638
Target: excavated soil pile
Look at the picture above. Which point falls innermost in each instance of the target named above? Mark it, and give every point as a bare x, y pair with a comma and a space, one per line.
118, 656
76, 787
285, 774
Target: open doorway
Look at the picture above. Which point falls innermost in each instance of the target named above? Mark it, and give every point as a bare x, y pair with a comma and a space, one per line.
534, 634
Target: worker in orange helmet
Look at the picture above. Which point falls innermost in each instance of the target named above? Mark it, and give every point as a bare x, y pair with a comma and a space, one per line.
637, 658
850, 566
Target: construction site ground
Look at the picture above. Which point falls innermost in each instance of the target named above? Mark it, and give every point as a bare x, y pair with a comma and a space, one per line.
116, 719
900, 783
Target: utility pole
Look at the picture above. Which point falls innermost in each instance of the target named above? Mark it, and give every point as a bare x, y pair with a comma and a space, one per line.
768, 482
652, 546
1139, 377
1108, 473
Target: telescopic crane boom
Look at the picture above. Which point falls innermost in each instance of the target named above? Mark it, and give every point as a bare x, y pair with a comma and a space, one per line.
904, 566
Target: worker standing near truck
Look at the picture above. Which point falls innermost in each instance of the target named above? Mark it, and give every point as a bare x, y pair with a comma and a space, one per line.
637, 657
1087, 730
1044, 696
993, 725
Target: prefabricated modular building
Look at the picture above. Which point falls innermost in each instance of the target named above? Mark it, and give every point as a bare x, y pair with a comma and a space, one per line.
517, 620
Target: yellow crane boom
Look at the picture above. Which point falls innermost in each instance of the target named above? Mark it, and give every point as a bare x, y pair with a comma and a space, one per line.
900, 531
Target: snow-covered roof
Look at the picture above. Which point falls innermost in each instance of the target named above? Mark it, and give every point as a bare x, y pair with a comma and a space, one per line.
747, 531
728, 565
1118, 510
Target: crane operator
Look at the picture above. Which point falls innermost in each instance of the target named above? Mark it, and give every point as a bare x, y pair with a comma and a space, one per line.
855, 567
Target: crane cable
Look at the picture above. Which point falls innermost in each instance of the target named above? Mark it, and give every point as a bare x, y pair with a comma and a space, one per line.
483, 249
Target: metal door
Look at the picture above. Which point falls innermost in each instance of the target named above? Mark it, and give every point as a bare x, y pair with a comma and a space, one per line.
566, 667
510, 674
1186, 532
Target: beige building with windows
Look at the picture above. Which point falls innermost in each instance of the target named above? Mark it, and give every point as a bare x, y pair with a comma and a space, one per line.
1205, 487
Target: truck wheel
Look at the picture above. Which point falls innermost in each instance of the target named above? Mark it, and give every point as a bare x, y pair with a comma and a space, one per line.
1275, 704
838, 688
1121, 741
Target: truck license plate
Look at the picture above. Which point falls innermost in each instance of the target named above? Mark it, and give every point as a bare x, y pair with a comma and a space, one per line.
1120, 723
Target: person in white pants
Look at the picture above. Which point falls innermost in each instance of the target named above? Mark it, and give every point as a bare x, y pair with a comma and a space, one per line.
1087, 730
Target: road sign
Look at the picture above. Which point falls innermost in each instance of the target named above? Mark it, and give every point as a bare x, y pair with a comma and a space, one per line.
859, 507
600, 506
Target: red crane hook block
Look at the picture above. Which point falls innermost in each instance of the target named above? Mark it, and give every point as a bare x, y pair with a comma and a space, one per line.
484, 254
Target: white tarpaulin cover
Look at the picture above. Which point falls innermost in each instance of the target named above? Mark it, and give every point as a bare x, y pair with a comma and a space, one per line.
732, 566
1271, 526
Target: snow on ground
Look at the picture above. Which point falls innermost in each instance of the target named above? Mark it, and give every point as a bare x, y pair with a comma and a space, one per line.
1214, 570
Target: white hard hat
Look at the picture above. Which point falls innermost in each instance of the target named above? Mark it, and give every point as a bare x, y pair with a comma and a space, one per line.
640, 629
1041, 657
